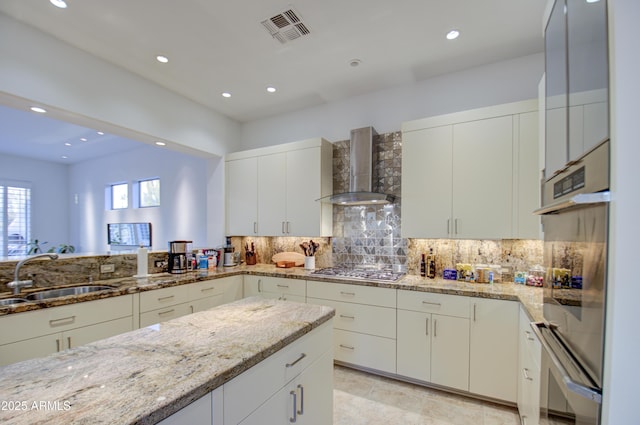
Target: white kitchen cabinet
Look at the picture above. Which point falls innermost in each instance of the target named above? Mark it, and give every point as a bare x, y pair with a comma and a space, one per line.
283, 200
433, 338
242, 196
275, 287
364, 324
529, 372
528, 175
494, 348
263, 393
459, 173
206, 410
39, 333
164, 304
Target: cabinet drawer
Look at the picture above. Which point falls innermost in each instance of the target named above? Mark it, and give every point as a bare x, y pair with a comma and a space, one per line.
247, 391
31, 324
208, 288
371, 295
282, 285
372, 320
162, 315
365, 350
159, 298
449, 305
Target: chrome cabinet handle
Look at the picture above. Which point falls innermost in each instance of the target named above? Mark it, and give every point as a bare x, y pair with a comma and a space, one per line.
283, 232
63, 321
69, 341
295, 403
427, 327
255, 227
431, 303
448, 226
288, 227
474, 312
344, 316
166, 298
302, 356
351, 294
525, 373
455, 225
301, 411
208, 289
259, 282
529, 337
282, 286
162, 313
348, 347
57, 345
435, 328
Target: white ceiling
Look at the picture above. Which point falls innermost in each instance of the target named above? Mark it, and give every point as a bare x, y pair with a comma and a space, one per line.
215, 46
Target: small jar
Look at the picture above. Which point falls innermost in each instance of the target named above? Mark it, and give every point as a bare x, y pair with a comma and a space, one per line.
535, 277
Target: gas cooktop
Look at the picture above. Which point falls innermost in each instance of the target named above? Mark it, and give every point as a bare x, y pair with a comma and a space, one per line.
386, 275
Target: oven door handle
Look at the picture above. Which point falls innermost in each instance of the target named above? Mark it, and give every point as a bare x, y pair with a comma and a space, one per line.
581, 199
571, 385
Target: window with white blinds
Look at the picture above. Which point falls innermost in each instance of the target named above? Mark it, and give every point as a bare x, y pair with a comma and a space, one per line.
15, 218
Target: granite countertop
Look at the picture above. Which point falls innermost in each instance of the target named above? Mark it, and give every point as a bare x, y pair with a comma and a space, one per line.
530, 297
143, 376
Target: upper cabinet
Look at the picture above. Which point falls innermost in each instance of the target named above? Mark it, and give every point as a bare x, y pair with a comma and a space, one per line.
472, 175
576, 69
274, 191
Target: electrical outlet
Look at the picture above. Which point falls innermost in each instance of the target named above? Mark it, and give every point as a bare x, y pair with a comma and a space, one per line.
160, 263
107, 268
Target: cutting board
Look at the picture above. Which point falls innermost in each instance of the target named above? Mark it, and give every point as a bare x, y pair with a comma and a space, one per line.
295, 257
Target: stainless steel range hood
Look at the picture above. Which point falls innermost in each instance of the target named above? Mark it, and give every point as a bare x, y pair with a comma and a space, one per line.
361, 173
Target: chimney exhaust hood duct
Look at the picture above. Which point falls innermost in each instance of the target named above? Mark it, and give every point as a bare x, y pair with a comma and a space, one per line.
361, 173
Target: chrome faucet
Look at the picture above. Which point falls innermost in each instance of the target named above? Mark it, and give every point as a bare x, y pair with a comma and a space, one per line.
18, 284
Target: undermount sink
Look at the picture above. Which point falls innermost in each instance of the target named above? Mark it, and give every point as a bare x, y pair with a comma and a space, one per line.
10, 301
63, 292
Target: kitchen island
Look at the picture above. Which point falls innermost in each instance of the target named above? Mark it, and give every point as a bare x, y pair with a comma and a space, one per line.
144, 376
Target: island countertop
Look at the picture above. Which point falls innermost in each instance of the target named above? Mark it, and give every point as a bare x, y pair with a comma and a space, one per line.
143, 376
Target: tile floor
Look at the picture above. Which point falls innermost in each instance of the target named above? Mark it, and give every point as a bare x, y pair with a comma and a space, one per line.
361, 398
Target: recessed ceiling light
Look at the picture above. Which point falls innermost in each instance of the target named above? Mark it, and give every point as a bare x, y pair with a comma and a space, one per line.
162, 59
355, 62
64, 157
593, 1
453, 34
158, 143
100, 133
59, 3
226, 94
83, 139
67, 144
271, 89
38, 109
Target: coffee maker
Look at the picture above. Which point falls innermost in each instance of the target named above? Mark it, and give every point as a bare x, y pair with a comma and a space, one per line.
180, 253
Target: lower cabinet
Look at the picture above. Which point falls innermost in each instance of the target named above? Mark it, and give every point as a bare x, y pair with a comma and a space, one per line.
42, 332
529, 377
493, 361
433, 347
275, 287
206, 410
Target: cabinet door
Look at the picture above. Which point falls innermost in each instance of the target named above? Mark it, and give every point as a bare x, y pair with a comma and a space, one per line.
427, 163
528, 175
304, 180
272, 186
494, 349
162, 315
414, 345
450, 351
483, 179
203, 411
242, 196
30, 349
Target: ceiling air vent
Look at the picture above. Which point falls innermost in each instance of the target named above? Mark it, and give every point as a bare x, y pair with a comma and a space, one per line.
286, 26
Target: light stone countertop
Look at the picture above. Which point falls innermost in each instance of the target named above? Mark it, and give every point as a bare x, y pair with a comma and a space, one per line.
530, 297
143, 376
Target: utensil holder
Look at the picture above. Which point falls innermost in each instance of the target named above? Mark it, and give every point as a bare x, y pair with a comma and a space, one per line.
310, 263
250, 260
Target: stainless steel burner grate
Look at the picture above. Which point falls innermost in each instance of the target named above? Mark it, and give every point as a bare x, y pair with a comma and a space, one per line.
357, 273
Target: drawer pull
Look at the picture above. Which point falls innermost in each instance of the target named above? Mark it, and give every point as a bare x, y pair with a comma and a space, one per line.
166, 298
162, 313
57, 345
63, 321
431, 303
301, 411
344, 316
208, 289
69, 341
474, 312
525, 373
302, 356
350, 294
348, 347
529, 337
282, 286
427, 327
435, 328
295, 405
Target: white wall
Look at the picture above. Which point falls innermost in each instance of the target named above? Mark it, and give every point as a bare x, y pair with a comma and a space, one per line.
493, 84
41, 68
182, 214
49, 196
622, 346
